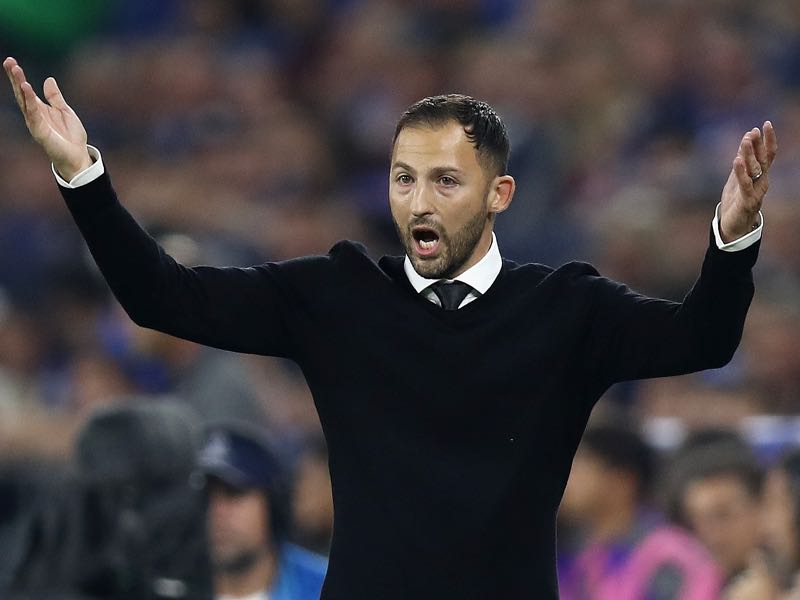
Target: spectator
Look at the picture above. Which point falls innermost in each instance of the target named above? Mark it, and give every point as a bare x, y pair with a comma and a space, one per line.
248, 520
628, 552
773, 573
715, 489
782, 515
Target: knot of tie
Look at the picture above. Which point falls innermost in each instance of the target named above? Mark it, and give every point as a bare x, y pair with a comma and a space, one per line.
451, 294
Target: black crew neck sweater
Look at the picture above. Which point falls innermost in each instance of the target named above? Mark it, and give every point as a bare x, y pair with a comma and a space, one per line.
450, 433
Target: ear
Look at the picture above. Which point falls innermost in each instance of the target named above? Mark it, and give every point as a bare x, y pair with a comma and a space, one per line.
501, 193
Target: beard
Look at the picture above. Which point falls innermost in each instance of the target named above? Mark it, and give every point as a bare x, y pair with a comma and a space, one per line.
456, 249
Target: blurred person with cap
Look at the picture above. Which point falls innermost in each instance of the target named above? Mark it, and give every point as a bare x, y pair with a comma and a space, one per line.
444, 367
248, 520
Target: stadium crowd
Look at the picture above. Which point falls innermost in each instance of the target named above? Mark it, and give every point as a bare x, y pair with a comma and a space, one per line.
253, 130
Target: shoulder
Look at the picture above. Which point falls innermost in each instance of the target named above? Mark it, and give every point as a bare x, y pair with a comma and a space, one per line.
575, 272
348, 248
577, 268
353, 256
304, 563
668, 563
304, 559
343, 256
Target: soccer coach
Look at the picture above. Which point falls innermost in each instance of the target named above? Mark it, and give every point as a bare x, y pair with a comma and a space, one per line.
451, 410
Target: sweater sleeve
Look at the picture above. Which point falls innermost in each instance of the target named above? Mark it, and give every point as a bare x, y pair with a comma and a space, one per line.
239, 309
633, 336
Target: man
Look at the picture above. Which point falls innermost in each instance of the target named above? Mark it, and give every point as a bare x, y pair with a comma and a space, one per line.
716, 492
248, 516
628, 552
451, 410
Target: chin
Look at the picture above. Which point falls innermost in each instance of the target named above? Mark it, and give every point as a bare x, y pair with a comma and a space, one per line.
433, 269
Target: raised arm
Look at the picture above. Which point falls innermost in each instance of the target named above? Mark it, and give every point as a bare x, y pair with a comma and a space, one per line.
639, 337
240, 309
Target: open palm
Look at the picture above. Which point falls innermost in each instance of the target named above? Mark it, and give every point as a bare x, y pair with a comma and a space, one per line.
748, 182
54, 126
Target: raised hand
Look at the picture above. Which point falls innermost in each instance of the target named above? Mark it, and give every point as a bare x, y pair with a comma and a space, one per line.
748, 183
54, 126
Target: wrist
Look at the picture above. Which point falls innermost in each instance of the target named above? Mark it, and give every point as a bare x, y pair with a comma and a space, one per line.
68, 171
730, 232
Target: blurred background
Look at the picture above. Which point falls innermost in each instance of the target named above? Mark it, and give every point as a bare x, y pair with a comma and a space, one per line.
242, 131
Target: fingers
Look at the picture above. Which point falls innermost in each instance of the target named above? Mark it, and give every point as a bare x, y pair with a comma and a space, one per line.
758, 149
53, 94
747, 152
742, 175
29, 102
16, 77
771, 142
31, 109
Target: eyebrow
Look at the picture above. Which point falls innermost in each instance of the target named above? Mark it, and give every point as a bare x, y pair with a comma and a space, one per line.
436, 170
404, 166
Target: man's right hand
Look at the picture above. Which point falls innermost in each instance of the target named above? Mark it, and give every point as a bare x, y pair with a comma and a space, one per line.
55, 126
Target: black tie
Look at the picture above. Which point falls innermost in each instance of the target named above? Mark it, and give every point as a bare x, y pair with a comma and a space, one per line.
451, 295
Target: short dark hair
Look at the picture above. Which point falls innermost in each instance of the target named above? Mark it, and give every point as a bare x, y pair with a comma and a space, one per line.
622, 447
712, 457
483, 126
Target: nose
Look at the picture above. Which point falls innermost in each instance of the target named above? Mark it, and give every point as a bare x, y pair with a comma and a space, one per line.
422, 201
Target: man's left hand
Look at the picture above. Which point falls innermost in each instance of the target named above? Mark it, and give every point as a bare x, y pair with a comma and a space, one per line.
748, 183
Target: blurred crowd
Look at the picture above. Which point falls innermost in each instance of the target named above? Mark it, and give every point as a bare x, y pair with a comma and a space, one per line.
242, 131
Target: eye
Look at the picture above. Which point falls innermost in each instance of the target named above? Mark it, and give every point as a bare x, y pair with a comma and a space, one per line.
447, 181
404, 179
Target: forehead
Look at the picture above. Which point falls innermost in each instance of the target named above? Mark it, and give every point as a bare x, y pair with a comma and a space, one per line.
718, 487
422, 146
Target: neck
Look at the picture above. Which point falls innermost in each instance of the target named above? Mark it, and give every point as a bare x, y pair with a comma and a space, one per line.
257, 578
481, 250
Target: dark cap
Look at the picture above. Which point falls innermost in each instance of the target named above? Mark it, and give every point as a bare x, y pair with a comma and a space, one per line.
241, 457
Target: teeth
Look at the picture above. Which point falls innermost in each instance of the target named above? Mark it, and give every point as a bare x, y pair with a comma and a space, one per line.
427, 245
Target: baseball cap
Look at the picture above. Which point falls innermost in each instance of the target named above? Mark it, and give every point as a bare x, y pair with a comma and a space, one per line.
240, 456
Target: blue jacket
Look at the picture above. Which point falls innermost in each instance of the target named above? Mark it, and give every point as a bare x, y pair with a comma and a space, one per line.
300, 574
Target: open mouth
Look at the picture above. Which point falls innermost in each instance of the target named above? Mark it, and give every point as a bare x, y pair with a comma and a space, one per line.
426, 240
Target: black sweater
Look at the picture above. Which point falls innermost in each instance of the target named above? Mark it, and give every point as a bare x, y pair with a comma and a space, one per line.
450, 433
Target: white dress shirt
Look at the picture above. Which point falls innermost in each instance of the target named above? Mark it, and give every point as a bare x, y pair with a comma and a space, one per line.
480, 276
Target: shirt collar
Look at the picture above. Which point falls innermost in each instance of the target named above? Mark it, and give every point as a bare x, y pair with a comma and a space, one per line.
480, 276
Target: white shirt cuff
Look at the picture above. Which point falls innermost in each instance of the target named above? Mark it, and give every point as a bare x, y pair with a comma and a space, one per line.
743, 242
88, 175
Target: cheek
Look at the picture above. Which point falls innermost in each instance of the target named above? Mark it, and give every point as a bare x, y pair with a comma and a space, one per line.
398, 207
257, 515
